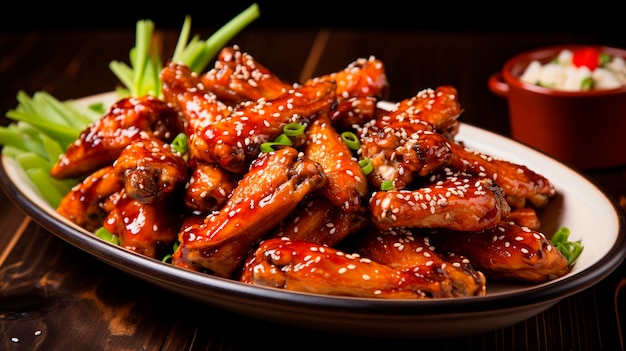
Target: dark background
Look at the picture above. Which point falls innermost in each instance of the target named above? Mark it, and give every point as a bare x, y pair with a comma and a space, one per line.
527, 16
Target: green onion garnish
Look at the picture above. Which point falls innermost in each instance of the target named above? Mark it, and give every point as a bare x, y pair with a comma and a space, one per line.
180, 143
351, 140
106, 235
366, 165
570, 249
293, 129
586, 84
281, 140
387, 185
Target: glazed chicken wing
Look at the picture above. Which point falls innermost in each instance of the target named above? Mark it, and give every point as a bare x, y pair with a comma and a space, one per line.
149, 229
346, 184
234, 141
101, 142
320, 221
208, 187
364, 77
268, 193
406, 142
151, 170
198, 107
237, 77
522, 186
309, 267
457, 202
83, 204
506, 251
449, 276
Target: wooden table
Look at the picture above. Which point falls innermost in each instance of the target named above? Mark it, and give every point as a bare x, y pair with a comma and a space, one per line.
53, 296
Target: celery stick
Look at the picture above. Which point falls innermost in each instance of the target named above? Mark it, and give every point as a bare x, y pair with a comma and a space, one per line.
52, 148
64, 134
10, 135
30, 160
50, 189
183, 37
123, 72
220, 38
144, 29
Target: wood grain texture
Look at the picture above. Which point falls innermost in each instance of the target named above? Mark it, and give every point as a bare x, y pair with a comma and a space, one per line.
53, 296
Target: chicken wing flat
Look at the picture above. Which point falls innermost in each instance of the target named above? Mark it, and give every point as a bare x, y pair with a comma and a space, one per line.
101, 142
235, 140
149, 229
438, 107
151, 169
363, 77
457, 202
449, 276
522, 186
308, 267
237, 76
506, 251
319, 221
267, 194
346, 184
208, 187
83, 204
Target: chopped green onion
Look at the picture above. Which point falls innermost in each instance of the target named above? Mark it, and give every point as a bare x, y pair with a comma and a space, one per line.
351, 140
586, 84
168, 258
387, 185
570, 249
605, 58
180, 143
281, 140
293, 129
106, 235
366, 165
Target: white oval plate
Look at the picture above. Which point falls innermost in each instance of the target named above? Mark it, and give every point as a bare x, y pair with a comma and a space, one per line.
580, 205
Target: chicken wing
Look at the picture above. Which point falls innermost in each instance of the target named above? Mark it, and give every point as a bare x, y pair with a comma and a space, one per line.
208, 187
308, 267
237, 76
410, 139
151, 170
233, 142
449, 275
363, 77
149, 229
267, 194
198, 107
319, 221
101, 142
522, 186
83, 204
346, 185
457, 202
506, 251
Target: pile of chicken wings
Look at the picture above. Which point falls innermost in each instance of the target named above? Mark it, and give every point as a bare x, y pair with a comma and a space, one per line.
428, 217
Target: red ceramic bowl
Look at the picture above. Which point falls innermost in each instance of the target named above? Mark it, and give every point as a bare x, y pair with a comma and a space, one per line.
584, 129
